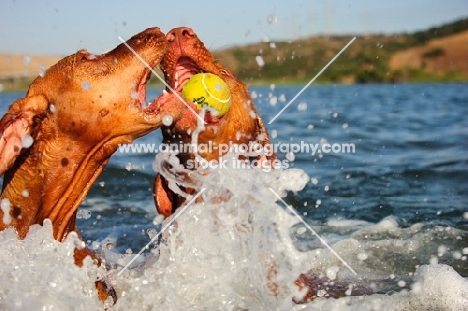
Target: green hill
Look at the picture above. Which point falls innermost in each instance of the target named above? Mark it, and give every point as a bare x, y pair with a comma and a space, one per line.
366, 60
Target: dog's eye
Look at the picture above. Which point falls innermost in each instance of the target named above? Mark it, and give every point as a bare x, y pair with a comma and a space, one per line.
80, 57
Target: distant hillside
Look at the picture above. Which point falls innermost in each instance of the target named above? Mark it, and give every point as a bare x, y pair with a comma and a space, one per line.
435, 54
445, 58
372, 58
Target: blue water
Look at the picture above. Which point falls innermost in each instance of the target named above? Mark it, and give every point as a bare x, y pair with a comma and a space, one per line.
411, 150
410, 160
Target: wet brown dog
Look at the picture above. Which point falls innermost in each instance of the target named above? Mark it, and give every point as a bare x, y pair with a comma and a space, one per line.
56, 141
185, 57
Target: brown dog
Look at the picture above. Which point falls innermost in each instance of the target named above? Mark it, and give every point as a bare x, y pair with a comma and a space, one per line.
56, 141
185, 57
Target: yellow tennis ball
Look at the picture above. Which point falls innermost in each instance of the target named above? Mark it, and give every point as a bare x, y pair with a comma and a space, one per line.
207, 89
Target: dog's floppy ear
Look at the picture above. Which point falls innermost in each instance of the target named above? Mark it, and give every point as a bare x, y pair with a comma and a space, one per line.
17, 124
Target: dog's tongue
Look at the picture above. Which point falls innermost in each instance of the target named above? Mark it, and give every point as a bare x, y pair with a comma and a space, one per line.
209, 118
142, 95
164, 99
155, 106
141, 90
171, 99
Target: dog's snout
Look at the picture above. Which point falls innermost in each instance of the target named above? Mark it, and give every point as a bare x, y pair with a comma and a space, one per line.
187, 33
180, 34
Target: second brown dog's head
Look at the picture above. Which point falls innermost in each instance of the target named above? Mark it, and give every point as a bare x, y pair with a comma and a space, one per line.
187, 56
241, 125
56, 140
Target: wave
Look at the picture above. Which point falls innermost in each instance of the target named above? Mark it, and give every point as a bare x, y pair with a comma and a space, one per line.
241, 249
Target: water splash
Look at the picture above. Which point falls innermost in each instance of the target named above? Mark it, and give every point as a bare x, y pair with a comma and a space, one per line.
27, 141
5, 207
259, 60
86, 85
235, 243
42, 70
39, 273
220, 254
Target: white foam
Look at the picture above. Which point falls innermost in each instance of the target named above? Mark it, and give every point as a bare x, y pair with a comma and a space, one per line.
219, 254
27, 141
237, 254
39, 273
437, 287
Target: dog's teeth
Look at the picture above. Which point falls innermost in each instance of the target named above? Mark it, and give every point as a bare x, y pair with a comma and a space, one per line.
177, 75
165, 92
176, 84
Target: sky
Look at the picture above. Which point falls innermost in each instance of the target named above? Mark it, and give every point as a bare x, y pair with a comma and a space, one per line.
55, 27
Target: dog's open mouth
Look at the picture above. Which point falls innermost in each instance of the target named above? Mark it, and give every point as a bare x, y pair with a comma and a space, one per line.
141, 91
154, 106
184, 70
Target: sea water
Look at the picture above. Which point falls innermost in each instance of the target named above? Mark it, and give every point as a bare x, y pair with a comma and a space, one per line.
394, 210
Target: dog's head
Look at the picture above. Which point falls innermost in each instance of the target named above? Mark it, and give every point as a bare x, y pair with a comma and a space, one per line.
187, 56
89, 99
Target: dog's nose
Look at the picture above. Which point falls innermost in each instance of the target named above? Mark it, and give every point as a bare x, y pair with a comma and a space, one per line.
180, 34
